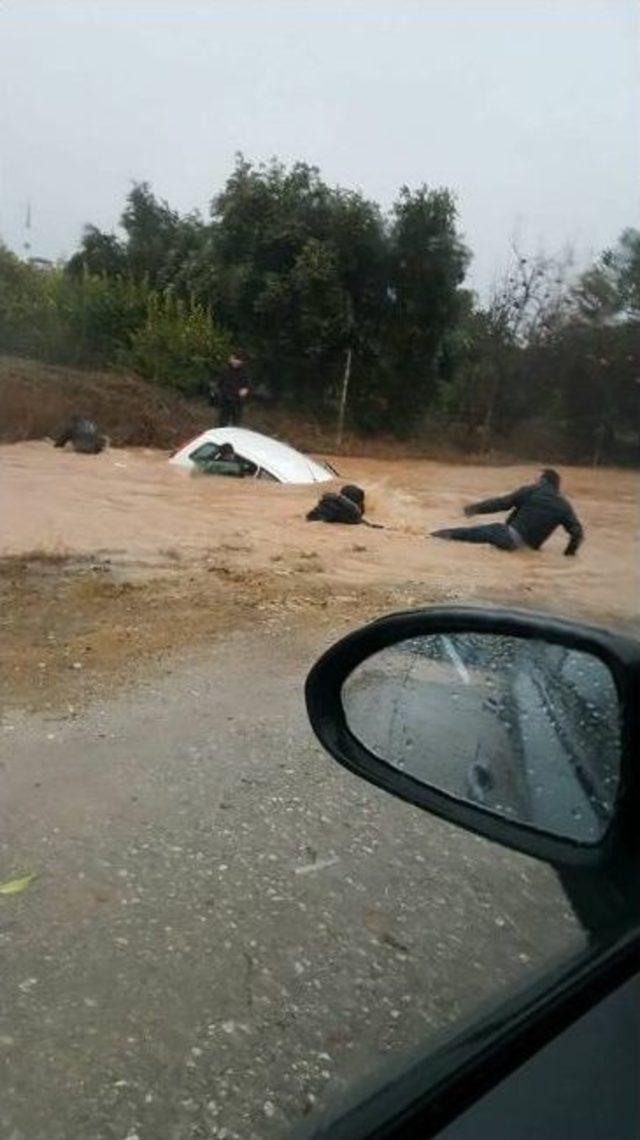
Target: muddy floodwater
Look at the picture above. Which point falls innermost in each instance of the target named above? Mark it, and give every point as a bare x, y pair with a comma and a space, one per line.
222, 930
136, 507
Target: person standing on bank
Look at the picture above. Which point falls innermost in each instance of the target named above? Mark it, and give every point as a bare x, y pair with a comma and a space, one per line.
230, 390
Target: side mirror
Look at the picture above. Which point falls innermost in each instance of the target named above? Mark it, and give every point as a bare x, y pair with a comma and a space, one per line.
517, 726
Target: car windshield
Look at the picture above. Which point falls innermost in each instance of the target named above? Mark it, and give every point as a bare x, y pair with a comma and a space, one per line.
401, 240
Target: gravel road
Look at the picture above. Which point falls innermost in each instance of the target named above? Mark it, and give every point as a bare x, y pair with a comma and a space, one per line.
226, 928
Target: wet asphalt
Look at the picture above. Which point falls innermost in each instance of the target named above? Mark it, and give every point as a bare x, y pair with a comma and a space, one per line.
227, 929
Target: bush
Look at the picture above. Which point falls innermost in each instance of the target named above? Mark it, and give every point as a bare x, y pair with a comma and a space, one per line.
99, 321
28, 316
178, 344
98, 318
46, 313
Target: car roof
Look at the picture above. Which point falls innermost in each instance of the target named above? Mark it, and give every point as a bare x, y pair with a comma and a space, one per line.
279, 459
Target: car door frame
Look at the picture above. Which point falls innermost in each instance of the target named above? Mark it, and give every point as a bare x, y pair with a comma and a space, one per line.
418, 1097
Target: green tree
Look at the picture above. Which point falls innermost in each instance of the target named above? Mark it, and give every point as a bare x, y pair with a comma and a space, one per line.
598, 352
100, 255
428, 261
310, 277
610, 289
178, 343
150, 227
295, 273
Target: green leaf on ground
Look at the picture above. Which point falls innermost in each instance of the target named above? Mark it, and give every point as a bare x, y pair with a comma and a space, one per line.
14, 886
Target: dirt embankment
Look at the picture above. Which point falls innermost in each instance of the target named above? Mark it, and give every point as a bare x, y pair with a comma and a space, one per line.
36, 399
111, 562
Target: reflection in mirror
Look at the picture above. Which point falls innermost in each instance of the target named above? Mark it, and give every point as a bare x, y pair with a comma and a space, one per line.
524, 728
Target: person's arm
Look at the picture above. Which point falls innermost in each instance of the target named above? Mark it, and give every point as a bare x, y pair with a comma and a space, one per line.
574, 529
502, 503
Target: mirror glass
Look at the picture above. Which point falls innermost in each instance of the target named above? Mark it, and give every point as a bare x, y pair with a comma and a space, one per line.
526, 729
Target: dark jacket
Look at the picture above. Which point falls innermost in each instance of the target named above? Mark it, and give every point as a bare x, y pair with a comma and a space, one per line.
83, 434
536, 511
228, 384
334, 508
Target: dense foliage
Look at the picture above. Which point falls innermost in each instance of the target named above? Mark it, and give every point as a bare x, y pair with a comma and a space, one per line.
306, 277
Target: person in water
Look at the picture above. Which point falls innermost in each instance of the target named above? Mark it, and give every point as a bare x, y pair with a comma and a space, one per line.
536, 510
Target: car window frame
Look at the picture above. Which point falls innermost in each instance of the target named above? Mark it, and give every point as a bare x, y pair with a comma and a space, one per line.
419, 1096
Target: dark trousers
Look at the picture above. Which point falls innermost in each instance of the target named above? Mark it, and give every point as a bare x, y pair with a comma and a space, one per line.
230, 413
496, 534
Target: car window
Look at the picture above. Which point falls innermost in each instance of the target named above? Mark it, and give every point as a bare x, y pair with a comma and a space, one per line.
205, 451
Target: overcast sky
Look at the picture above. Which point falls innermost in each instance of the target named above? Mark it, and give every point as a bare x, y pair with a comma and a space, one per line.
528, 110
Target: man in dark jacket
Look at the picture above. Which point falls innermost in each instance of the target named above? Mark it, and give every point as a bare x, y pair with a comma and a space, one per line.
535, 512
83, 434
230, 391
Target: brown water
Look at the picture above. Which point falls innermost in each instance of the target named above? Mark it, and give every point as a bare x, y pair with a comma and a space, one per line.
136, 506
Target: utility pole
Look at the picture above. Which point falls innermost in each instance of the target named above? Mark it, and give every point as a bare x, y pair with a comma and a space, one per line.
343, 397
346, 376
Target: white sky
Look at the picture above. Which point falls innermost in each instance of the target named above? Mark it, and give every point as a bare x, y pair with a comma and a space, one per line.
528, 110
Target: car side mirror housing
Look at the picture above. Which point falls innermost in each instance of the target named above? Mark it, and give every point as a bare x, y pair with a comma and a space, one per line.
517, 726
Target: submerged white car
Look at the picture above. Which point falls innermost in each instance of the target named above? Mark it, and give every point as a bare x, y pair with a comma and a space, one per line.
266, 458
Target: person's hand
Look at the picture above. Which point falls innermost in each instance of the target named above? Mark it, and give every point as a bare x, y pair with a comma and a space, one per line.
243, 393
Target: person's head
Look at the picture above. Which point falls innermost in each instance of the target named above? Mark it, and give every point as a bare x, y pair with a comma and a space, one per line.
226, 452
548, 475
355, 494
236, 359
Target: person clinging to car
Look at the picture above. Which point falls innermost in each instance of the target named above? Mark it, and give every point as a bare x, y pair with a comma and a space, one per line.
225, 461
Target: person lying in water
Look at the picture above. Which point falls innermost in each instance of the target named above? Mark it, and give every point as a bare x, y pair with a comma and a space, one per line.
346, 507
84, 436
535, 512
225, 461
